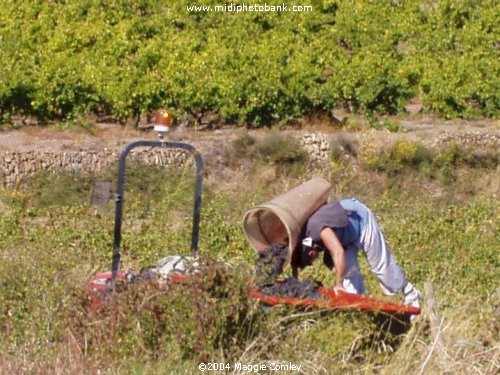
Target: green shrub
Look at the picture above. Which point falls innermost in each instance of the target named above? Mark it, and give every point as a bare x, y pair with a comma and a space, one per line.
442, 164
452, 155
243, 144
409, 153
401, 155
283, 152
449, 155
393, 126
280, 149
485, 158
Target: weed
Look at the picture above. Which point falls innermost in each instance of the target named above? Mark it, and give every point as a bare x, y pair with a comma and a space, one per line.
244, 143
393, 126
343, 145
401, 155
239, 149
280, 149
448, 156
409, 153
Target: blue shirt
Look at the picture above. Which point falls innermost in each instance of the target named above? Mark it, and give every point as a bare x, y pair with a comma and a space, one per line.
358, 218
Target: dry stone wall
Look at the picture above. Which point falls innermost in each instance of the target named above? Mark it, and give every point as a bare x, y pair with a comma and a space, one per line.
316, 145
16, 166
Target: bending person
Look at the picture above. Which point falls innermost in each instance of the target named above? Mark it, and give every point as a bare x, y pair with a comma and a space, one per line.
339, 229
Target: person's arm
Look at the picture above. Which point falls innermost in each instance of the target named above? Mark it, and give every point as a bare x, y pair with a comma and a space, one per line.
336, 250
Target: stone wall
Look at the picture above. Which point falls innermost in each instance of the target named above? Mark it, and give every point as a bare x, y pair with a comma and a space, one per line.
15, 166
316, 145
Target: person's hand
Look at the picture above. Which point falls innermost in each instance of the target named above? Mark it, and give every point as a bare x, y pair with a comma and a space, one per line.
337, 289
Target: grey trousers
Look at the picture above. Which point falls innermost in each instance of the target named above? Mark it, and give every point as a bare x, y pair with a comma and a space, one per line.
382, 262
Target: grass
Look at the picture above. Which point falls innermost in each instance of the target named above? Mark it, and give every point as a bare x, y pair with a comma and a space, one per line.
49, 247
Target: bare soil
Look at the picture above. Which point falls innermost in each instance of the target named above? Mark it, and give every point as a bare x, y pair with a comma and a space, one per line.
425, 129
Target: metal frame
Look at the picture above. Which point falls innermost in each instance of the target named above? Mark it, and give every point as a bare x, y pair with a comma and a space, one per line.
116, 261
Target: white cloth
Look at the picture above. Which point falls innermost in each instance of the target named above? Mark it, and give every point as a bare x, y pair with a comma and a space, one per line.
176, 264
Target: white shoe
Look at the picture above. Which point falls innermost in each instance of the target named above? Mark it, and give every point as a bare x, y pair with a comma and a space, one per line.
412, 296
350, 288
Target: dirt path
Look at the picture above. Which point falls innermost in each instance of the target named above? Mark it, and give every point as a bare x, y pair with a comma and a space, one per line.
427, 130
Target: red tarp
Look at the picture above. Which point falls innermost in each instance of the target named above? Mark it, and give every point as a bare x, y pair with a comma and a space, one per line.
341, 301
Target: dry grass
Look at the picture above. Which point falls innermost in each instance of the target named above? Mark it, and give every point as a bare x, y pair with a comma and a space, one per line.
462, 353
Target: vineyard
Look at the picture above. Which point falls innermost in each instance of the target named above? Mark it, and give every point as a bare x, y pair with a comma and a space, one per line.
63, 60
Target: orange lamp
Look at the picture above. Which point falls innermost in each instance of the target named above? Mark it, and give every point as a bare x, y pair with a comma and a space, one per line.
162, 122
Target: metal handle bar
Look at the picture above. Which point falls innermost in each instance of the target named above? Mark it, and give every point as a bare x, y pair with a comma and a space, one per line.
116, 262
